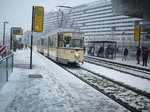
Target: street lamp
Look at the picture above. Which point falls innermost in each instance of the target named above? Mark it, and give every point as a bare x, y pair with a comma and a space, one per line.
4, 32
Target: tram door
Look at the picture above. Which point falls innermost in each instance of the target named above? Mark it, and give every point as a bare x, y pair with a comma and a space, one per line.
59, 45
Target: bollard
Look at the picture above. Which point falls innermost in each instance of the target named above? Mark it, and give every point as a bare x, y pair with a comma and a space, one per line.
6, 69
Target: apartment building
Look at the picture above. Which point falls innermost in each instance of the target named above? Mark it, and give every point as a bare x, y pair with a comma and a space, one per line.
98, 22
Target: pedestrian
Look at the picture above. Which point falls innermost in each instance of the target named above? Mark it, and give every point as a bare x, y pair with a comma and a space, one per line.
22, 46
145, 53
125, 54
138, 53
100, 52
92, 51
25, 46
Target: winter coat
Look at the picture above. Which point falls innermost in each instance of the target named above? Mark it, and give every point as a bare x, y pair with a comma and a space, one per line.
125, 51
138, 53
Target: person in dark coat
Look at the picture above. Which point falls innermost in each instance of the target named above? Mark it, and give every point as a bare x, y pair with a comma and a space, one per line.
145, 53
125, 54
138, 53
100, 52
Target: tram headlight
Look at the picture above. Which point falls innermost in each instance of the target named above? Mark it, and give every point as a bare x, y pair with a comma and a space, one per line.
77, 56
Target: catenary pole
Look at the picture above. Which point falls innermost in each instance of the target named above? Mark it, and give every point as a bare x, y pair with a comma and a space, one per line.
31, 37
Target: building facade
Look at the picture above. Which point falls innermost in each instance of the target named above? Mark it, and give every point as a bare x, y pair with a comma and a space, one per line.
98, 22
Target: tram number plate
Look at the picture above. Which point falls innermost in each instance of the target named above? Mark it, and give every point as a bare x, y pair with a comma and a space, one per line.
72, 51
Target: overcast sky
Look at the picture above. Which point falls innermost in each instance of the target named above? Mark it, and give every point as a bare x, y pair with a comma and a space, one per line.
18, 12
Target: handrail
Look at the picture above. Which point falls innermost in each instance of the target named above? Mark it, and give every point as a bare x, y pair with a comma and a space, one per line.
6, 67
4, 58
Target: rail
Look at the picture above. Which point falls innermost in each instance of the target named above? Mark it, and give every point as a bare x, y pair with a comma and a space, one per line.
6, 68
126, 68
131, 98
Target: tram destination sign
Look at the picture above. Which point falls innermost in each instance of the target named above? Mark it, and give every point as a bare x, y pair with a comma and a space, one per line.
17, 31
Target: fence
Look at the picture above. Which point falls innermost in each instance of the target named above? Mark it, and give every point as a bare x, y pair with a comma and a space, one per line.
6, 67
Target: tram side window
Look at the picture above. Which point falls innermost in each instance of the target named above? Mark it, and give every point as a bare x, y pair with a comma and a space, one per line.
76, 43
67, 41
39, 42
81, 43
53, 41
60, 40
42, 41
46, 42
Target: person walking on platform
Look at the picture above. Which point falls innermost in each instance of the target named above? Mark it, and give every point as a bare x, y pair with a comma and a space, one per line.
138, 53
145, 54
125, 54
100, 52
92, 51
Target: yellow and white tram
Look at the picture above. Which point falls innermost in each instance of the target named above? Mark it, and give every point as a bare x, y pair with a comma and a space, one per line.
63, 46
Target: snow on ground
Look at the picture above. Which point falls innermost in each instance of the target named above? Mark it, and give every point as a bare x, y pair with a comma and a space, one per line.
57, 91
139, 83
133, 61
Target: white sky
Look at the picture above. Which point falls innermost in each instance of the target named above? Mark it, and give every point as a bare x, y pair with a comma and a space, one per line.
18, 12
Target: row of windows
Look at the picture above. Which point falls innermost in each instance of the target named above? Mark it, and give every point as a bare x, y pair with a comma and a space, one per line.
112, 27
104, 19
92, 10
91, 14
108, 29
98, 9
119, 39
103, 22
107, 33
97, 24
92, 28
109, 23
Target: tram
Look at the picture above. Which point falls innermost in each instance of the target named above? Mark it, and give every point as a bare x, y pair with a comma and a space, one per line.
63, 46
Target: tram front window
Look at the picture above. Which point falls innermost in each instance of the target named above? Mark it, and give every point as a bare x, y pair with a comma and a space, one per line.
76, 43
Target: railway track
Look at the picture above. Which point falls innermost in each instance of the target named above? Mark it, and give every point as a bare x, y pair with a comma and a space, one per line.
126, 68
132, 99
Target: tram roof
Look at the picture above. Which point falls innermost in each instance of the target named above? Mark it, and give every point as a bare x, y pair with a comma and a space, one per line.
61, 30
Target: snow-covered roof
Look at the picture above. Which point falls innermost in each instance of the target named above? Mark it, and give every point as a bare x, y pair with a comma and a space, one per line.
60, 30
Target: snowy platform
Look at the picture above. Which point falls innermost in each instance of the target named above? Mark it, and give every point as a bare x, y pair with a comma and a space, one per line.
56, 91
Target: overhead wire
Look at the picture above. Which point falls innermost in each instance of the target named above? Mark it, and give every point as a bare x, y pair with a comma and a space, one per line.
59, 3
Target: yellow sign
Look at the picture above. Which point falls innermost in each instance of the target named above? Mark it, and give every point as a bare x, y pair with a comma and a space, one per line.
17, 31
137, 31
38, 18
21, 32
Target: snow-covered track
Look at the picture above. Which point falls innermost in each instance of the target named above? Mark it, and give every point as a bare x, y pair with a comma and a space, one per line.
141, 72
131, 98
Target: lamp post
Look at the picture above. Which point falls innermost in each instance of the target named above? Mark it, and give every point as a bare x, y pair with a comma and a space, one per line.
4, 32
